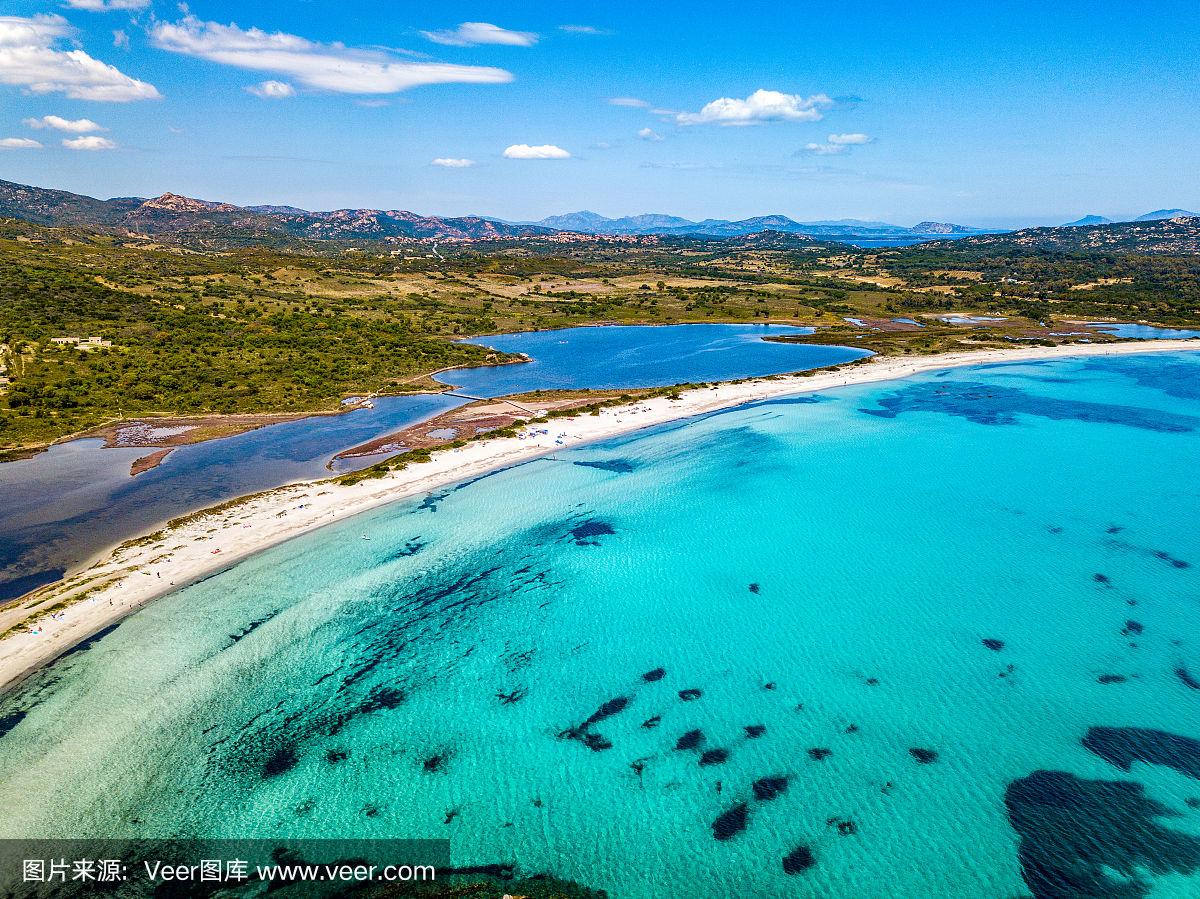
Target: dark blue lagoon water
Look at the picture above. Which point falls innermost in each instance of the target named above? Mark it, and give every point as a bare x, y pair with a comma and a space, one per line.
1130, 331
643, 356
61, 507
939, 637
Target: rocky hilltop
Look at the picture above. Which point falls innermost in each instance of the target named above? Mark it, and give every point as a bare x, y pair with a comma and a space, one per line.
172, 217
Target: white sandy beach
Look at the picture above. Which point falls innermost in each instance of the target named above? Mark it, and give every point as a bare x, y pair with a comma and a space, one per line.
49, 622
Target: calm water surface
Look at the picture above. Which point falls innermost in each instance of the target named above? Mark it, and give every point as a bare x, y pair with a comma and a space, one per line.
1129, 331
940, 633
643, 356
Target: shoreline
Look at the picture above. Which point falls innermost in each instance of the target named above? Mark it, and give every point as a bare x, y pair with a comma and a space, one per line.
50, 621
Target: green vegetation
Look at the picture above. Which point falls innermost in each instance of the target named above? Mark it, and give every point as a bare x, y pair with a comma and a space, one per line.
1041, 283
189, 335
265, 329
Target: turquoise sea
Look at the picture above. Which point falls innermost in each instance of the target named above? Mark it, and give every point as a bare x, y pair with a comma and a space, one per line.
929, 638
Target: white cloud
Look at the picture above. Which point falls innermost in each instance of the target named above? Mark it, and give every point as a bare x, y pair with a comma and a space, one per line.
120, 39
332, 67
824, 149
584, 29
649, 134
545, 151
89, 143
469, 34
19, 143
28, 59
106, 5
449, 163
58, 123
272, 90
760, 106
837, 143
628, 101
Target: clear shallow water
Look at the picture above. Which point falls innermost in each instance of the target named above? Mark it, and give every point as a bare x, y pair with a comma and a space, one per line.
643, 356
826, 570
61, 507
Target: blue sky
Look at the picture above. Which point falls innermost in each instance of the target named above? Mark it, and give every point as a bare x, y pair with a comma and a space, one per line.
998, 114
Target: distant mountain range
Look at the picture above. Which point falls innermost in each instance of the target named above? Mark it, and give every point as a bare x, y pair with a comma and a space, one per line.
1155, 216
848, 230
208, 224
1151, 234
1160, 214
842, 229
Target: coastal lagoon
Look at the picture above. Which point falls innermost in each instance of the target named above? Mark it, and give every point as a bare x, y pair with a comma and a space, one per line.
924, 638
61, 507
618, 356
78, 498
1131, 331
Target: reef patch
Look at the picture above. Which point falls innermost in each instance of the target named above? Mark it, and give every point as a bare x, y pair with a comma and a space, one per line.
618, 466
798, 860
990, 404
1075, 835
585, 534
1184, 675
11, 720
1122, 746
768, 788
280, 761
731, 822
